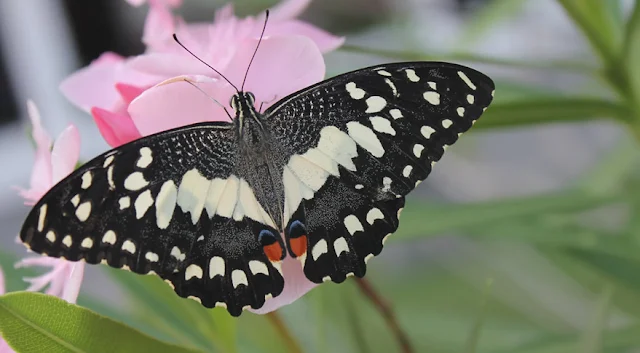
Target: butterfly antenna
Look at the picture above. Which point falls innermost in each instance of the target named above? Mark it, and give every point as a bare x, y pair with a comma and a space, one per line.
257, 46
213, 99
175, 37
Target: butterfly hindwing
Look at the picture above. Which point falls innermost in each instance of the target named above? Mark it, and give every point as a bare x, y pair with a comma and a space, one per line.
360, 142
168, 204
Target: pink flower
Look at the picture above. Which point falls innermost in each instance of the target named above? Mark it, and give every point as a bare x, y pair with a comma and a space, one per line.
108, 86
52, 163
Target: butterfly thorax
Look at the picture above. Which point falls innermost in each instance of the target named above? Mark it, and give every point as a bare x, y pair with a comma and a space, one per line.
257, 162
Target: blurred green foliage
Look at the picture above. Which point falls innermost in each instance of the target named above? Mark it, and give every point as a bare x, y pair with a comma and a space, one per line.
581, 292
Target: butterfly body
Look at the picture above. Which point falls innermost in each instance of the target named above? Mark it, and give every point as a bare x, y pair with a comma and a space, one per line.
213, 208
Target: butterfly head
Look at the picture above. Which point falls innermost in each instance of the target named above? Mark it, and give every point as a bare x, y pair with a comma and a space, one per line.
242, 101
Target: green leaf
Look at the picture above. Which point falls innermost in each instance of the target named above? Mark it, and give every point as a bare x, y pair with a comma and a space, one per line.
476, 331
591, 341
551, 110
420, 219
34, 322
157, 305
631, 52
408, 55
600, 23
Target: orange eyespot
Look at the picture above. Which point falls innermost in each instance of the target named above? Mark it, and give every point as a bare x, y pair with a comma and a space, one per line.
273, 251
298, 245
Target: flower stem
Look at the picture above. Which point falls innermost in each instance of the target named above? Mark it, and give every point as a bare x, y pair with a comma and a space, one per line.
282, 329
387, 313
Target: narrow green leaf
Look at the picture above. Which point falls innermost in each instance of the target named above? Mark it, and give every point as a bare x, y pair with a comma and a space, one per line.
598, 23
408, 55
631, 52
34, 322
420, 219
160, 307
591, 341
551, 110
224, 328
476, 331
485, 19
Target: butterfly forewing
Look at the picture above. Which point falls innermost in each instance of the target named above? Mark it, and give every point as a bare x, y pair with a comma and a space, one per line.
359, 143
167, 204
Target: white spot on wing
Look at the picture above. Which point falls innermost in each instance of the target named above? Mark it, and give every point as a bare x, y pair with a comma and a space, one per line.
42, 215
83, 211
319, 249
426, 131
411, 75
354, 92
383, 72
375, 104
177, 254
192, 193
386, 184
216, 267
466, 80
395, 113
193, 271
340, 246
67, 241
129, 246
432, 97
229, 197
381, 124
393, 87
238, 277
366, 138
75, 200
145, 157
417, 150
124, 202
432, 85
86, 180
166, 203
374, 214
151, 257
460, 111
352, 223
406, 172
51, 236
107, 161
216, 188
142, 203
87, 243
135, 181
471, 98
109, 237
309, 173
256, 267
446, 123
112, 185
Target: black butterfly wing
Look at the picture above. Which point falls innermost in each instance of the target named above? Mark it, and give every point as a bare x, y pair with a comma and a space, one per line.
167, 204
359, 143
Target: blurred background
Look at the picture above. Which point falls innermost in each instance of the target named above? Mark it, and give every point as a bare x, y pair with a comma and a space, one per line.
525, 238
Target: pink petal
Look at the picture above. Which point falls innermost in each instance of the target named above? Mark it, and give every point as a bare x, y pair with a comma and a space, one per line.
4, 347
128, 92
94, 85
117, 129
158, 27
172, 3
178, 103
2, 289
283, 65
41, 173
324, 40
295, 286
65, 153
73, 282
167, 65
288, 9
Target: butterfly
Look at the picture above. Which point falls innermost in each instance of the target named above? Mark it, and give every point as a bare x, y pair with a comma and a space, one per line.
214, 208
